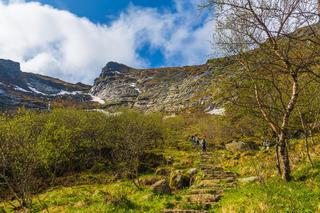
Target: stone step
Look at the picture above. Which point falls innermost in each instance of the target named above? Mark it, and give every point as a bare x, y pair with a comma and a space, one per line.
212, 167
214, 184
204, 191
217, 172
206, 171
209, 190
202, 199
221, 177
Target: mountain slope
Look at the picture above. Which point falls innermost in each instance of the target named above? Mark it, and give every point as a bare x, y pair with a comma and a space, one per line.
30, 90
172, 89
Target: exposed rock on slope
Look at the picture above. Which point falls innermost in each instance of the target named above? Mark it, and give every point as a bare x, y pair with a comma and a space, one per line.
163, 89
169, 90
18, 88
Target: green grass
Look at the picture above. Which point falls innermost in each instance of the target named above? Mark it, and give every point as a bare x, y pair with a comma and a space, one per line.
272, 196
94, 198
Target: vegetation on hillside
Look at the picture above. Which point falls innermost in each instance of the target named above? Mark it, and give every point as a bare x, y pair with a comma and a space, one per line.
73, 160
36, 148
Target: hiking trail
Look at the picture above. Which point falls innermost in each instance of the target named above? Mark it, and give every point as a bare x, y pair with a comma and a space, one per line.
208, 190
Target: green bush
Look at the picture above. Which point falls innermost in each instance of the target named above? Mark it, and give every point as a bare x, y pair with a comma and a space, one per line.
36, 147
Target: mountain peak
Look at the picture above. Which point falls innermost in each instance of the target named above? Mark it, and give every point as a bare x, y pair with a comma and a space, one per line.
113, 68
9, 66
10, 71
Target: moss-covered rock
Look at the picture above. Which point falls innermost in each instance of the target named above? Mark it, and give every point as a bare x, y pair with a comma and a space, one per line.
161, 187
178, 180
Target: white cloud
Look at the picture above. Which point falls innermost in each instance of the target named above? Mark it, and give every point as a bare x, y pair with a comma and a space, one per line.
58, 43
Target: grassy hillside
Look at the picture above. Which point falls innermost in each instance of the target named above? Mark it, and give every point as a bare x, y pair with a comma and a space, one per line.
99, 188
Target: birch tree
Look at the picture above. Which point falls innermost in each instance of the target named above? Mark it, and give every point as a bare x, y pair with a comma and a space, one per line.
275, 44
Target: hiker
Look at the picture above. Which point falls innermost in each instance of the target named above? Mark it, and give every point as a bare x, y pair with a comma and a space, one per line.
197, 141
204, 145
193, 139
49, 106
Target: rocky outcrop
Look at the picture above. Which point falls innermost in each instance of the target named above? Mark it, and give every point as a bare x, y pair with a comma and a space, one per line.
30, 90
163, 89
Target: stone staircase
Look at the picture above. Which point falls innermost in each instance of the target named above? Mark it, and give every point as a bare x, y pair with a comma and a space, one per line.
208, 190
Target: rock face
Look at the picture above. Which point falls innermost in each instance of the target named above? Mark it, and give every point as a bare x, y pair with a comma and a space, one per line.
163, 89
30, 90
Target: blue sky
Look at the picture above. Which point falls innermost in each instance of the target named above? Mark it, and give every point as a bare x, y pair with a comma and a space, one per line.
74, 39
103, 11
106, 11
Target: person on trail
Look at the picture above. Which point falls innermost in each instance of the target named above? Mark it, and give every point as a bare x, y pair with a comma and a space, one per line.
204, 145
200, 141
49, 106
193, 139
197, 141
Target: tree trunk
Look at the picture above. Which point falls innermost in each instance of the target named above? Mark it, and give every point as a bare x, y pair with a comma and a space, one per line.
278, 160
286, 175
283, 137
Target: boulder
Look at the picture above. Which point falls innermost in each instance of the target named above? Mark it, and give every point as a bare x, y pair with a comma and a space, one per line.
148, 181
179, 180
161, 187
235, 146
248, 179
192, 172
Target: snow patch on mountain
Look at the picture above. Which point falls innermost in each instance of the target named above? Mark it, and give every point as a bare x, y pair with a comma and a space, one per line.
20, 89
63, 92
216, 111
35, 90
97, 99
134, 85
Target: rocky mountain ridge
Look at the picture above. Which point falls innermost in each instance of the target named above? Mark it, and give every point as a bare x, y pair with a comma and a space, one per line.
30, 90
172, 89
169, 90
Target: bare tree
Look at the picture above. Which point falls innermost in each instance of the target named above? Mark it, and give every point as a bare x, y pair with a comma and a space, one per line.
134, 136
275, 44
